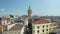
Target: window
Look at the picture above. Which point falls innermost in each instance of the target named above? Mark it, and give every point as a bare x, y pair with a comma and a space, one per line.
43, 30
43, 26
46, 29
50, 29
38, 31
4, 23
38, 27
46, 25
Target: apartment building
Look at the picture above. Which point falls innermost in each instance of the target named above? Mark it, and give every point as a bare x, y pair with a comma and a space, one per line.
42, 26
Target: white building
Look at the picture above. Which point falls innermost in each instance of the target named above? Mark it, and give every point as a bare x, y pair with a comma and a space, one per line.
42, 26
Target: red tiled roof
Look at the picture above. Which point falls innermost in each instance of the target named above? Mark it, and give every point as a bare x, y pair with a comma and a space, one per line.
16, 27
41, 21
3, 18
1, 28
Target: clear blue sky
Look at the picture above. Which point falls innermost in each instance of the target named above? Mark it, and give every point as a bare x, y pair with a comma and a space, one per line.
39, 7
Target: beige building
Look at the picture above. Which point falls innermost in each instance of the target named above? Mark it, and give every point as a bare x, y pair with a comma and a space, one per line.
42, 26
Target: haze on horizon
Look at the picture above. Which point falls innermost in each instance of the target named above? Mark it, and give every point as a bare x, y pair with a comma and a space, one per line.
39, 7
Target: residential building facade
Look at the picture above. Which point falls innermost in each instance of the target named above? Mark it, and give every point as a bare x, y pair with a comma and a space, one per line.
42, 26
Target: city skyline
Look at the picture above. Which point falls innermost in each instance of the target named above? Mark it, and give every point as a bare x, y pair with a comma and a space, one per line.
39, 7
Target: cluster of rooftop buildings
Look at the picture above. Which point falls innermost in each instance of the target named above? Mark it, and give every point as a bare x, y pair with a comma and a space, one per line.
28, 24
9, 25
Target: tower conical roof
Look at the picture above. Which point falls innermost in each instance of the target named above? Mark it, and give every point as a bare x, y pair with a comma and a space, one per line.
29, 8
29, 12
